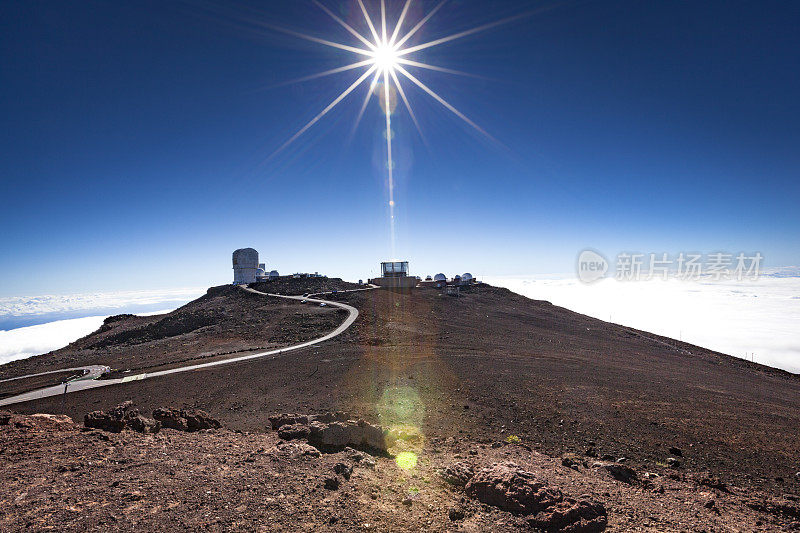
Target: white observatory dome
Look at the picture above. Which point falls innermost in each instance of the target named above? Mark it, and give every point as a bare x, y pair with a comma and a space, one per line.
273, 274
260, 272
439, 277
245, 265
457, 278
245, 258
467, 277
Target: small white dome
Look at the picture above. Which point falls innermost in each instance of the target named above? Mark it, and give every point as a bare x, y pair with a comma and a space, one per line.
439, 277
274, 274
467, 276
260, 272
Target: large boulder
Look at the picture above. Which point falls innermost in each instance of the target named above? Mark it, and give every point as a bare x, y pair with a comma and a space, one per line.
104, 421
139, 423
331, 431
293, 431
572, 516
356, 434
121, 417
507, 486
185, 419
283, 419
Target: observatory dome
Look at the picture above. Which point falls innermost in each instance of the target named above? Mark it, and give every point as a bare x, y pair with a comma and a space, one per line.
245, 265
439, 277
245, 258
273, 274
467, 277
260, 272
456, 278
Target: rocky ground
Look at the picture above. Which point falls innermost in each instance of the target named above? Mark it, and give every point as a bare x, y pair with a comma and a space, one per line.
59, 475
291, 286
488, 377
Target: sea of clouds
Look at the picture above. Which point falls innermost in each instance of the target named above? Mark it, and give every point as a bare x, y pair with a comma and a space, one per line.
757, 319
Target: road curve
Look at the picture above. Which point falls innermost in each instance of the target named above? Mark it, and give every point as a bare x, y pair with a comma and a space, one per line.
91, 382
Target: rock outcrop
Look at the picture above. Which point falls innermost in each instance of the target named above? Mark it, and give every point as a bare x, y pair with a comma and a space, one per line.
508, 487
332, 431
185, 419
125, 416
458, 474
120, 417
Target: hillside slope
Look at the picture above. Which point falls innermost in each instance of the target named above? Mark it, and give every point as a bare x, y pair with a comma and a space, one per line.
490, 364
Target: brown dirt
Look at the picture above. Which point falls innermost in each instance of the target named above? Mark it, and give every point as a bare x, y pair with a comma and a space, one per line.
58, 476
471, 371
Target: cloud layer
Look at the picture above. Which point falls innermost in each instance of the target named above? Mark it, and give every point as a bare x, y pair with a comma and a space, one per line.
37, 305
19, 311
33, 340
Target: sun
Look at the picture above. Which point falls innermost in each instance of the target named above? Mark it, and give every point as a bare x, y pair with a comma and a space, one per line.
385, 57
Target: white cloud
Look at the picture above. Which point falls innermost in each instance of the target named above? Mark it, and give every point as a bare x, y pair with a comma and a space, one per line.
734, 317
33, 340
21, 306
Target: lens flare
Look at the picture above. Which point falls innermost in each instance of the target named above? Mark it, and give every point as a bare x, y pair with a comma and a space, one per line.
406, 460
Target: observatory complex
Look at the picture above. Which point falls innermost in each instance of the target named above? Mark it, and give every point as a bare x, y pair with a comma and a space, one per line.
394, 274
247, 269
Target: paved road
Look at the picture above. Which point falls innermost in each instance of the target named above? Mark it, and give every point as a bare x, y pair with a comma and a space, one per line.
91, 382
89, 372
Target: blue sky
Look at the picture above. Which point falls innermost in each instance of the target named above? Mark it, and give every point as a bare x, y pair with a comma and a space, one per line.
136, 137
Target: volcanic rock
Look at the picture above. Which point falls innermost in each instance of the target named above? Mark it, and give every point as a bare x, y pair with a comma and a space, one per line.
141, 424
343, 470
458, 474
456, 513
512, 489
185, 419
104, 421
571, 460
120, 417
297, 449
276, 421
571, 516
338, 434
293, 431
621, 472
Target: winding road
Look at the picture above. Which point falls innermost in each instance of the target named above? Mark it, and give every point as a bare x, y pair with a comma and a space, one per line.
90, 381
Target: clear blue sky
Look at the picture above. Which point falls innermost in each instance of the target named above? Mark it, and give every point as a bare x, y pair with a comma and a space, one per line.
135, 140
